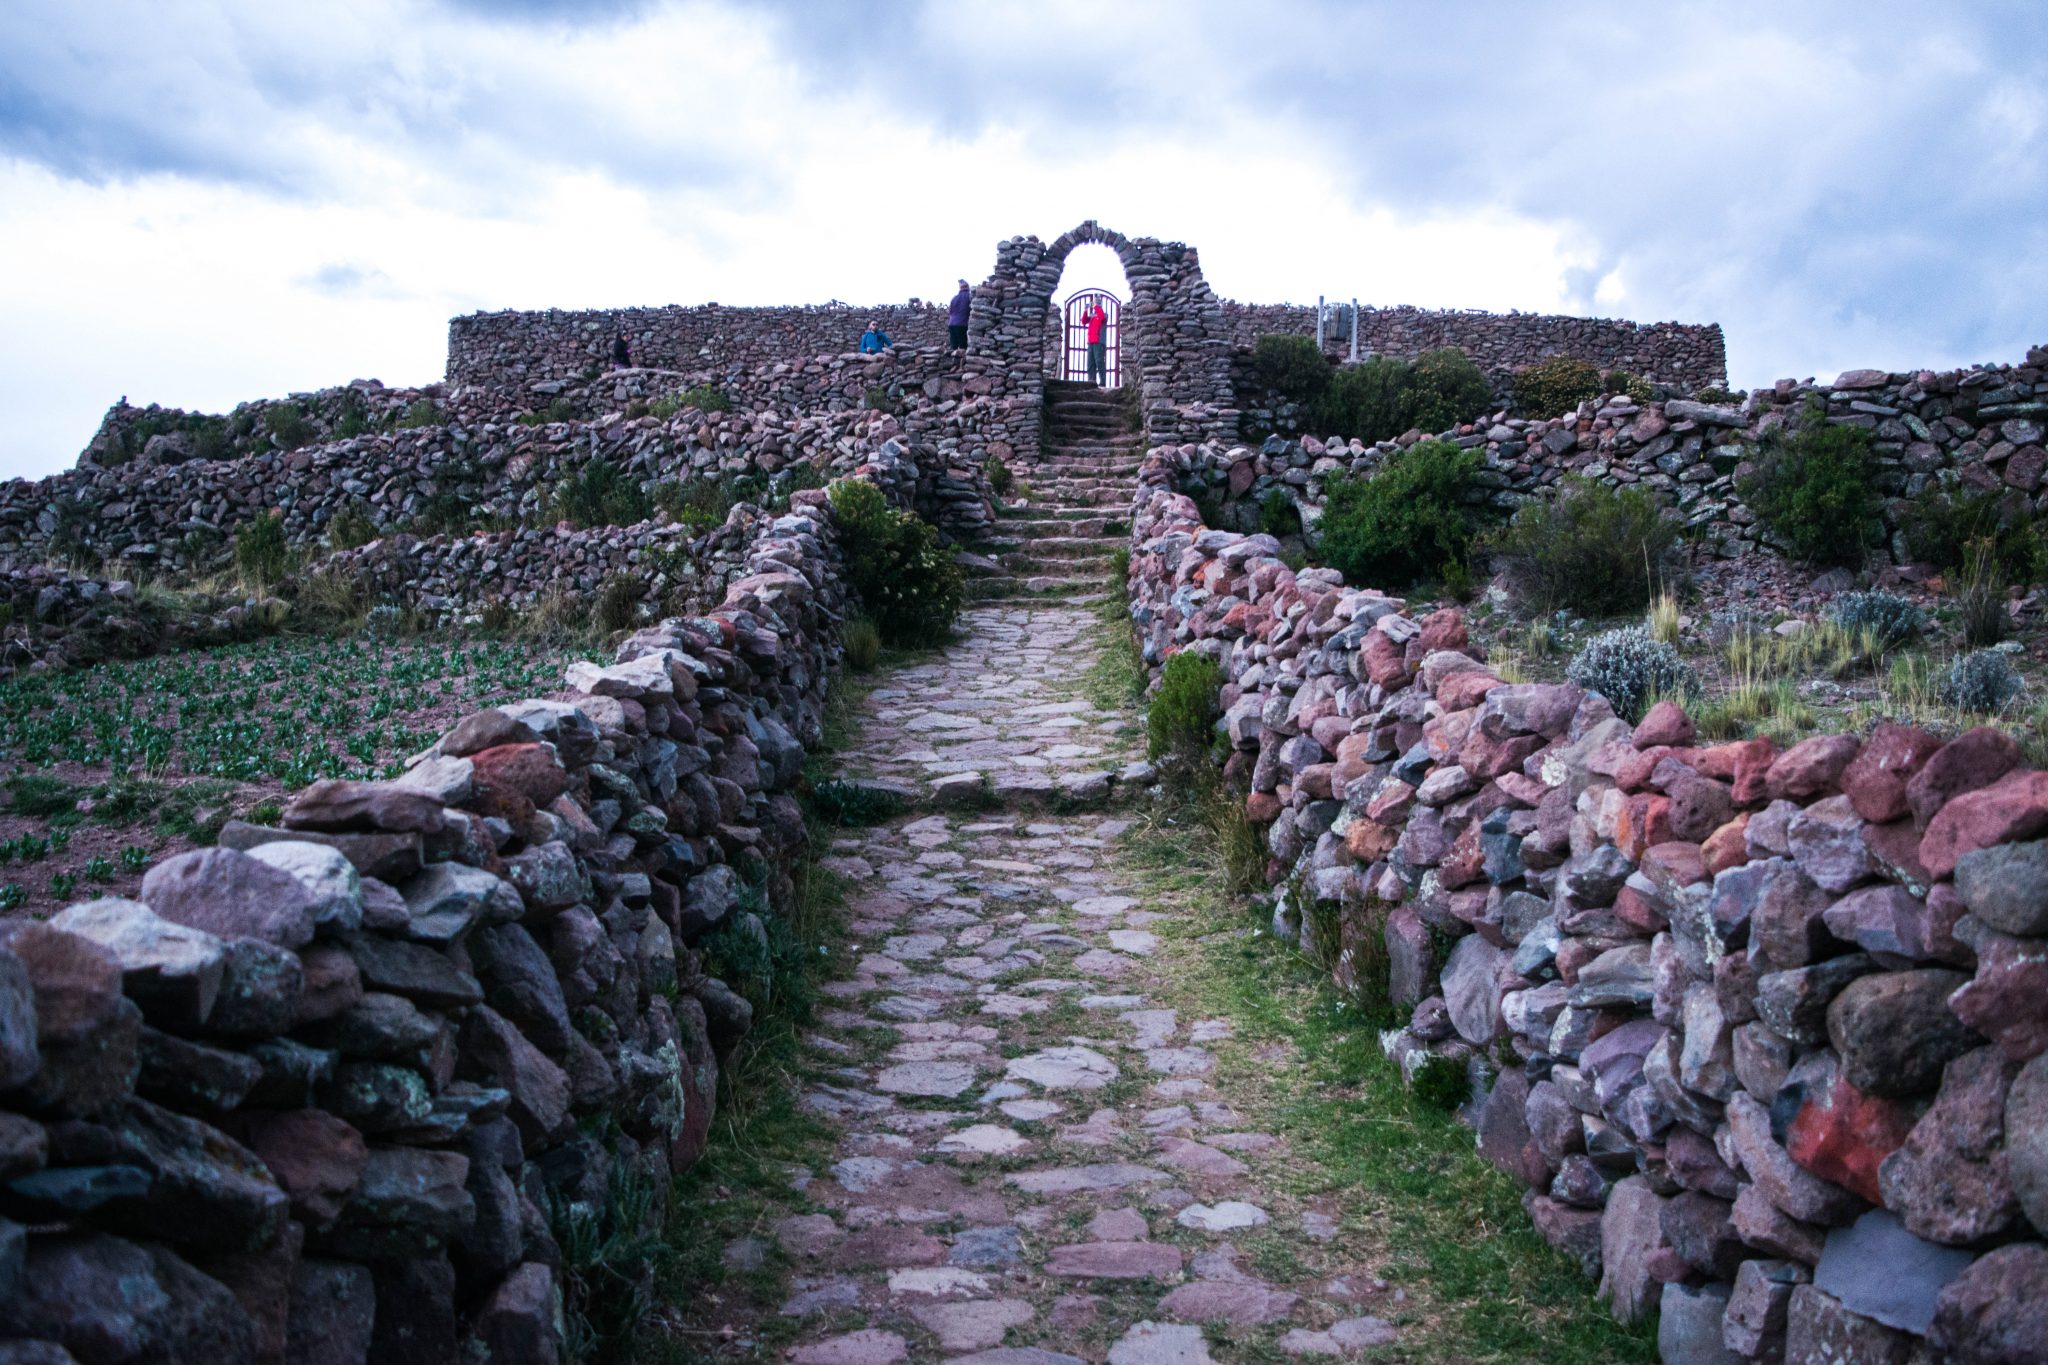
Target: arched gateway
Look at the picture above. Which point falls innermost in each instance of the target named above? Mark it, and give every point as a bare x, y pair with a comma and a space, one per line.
1170, 333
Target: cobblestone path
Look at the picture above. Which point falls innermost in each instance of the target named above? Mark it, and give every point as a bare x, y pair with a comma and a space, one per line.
1034, 1164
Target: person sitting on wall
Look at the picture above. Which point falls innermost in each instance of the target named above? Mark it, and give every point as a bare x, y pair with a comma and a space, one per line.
622, 354
1096, 320
956, 318
874, 340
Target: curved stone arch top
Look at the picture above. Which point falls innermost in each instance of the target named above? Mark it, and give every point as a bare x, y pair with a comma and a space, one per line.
1172, 327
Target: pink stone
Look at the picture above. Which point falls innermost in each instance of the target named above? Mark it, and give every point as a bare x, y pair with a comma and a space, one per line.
1665, 724
2014, 807
1810, 768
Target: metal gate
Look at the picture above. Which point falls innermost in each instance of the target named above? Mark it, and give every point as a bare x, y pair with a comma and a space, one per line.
1074, 353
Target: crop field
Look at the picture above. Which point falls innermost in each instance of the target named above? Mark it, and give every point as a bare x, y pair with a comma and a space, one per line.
104, 768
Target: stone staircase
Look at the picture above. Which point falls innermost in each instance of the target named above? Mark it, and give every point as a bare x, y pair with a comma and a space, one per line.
1056, 539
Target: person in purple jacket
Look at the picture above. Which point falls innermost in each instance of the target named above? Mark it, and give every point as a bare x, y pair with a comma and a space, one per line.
956, 318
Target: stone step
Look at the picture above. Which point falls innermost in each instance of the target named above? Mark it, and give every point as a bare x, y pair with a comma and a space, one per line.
1023, 512
1060, 586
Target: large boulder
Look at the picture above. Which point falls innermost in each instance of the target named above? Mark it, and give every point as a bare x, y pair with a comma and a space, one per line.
1996, 1311
232, 895
1894, 1030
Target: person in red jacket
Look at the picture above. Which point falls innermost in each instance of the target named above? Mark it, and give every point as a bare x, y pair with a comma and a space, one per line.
1097, 323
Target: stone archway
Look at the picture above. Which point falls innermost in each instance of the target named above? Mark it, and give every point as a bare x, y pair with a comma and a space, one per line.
1173, 332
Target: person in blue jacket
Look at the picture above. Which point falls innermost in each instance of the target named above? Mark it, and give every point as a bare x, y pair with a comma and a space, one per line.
874, 339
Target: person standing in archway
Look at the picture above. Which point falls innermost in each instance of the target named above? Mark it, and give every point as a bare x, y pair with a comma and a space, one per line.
1097, 323
956, 318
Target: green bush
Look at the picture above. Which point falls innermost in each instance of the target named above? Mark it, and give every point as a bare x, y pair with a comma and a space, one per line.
908, 583
998, 475
1887, 618
1981, 682
599, 494
1181, 719
863, 644
1589, 547
1294, 366
421, 412
261, 554
1369, 401
1553, 387
706, 398
1447, 389
1405, 521
1631, 670
287, 423
1278, 514
617, 605
1814, 489
1442, 1083
1944, 526
850, 804
350, 527
1622, 382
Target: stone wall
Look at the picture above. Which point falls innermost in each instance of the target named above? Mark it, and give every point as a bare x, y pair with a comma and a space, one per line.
1686, 355
511, 350
1976, 429
170, 436
1761, 1033
324, 1093
181, 518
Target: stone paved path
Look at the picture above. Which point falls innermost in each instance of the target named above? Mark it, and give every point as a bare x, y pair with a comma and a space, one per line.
1033, 1165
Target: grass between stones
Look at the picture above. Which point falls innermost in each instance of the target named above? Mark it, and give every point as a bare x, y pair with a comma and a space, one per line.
1415, 1203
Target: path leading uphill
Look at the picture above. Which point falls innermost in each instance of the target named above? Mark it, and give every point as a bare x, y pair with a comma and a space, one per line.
1034, 1164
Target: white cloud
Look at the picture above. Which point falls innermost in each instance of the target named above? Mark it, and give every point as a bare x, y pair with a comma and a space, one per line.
229, 201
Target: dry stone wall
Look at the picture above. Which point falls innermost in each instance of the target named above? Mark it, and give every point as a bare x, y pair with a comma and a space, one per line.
1685, 355
1976, 429
1763, 1034
324, 1093
180, 518
512, 350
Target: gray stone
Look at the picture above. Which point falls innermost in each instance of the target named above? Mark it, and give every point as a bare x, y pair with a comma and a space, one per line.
1895, 1032
232, 895
1154, 1343
172, 971
1996, 1311
328, 876
1754, 1323
2006, 886
1471, 988
2026, 1141
1874, 1267
1689, 1326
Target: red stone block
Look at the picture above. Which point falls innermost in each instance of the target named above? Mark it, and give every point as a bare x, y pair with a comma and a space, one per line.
1810, 769
1845, 1135
1875, 781
2014, 807
1666, 725
1469, 688
1725, 847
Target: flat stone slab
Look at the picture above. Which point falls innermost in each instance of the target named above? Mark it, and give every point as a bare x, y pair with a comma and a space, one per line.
1239, 1303
1119, 1225
1017, 1355
937, 1282
1226, 1215
974, 1325
1064, 1068
869, 1346
1104, 905
1188, 1155
1179, 1061
984, 1139
1115, 1261
941, 1080
821, 1297
987, 1248
1031, 1111
1136, 942
1348, 1337
1156, 1343
1079, 1179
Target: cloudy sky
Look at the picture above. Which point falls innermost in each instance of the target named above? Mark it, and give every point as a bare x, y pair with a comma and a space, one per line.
201, 203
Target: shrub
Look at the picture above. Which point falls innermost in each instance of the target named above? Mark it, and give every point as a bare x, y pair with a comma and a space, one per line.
1405, 521
1631, 670
1622, 382
908, 583
1181, 718
852, 804
1885, 619
350, 527
1370, 401
863, 644
1814, 490
617, 606
1982, 681
1447, 389
1278, 514
1591, 548
879, 399
287, 423
1442, 1083
421, 412
1719, 396
261, 554
705, 398
1942, 526
1553, 387
998, 475
1979, 596
599, 494
1294, 366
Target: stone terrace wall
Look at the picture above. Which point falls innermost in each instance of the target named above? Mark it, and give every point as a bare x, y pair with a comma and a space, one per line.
1762, 1033
1977, 429
512, 350
314, 1096
142, 515
1691, 356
